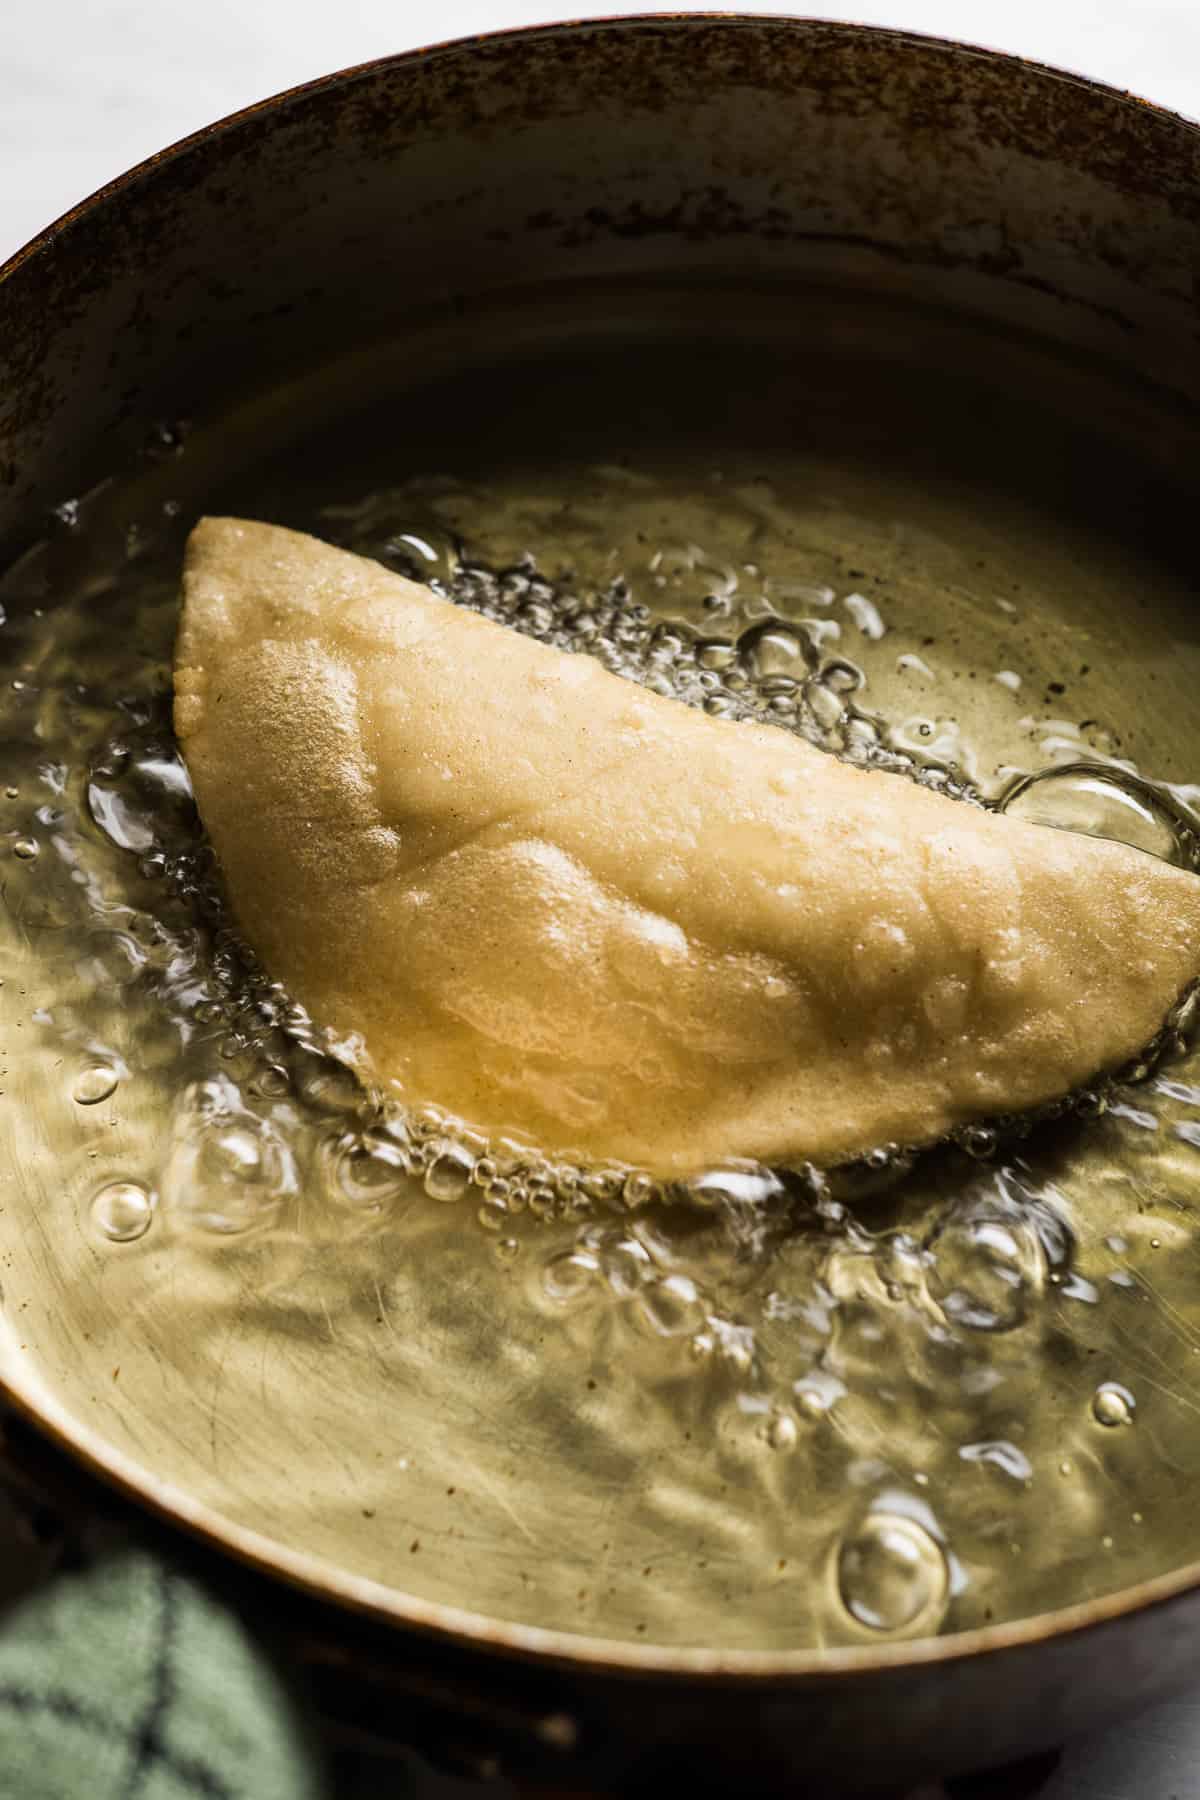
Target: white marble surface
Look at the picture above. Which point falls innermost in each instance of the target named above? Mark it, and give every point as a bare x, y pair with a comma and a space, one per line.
88, 87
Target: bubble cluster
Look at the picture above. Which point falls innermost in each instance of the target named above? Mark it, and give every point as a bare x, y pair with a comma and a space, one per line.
774, 670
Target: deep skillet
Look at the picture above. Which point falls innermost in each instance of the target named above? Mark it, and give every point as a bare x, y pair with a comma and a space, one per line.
330, 216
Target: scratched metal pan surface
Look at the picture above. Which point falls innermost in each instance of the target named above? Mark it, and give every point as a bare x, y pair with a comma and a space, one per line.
392, 1456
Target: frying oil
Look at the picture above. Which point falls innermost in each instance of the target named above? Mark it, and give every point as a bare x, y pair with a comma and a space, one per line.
770, 1408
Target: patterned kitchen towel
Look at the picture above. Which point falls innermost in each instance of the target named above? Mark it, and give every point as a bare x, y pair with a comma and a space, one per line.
129, 1682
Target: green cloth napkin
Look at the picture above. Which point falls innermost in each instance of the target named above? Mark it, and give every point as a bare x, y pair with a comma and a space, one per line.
129, 1682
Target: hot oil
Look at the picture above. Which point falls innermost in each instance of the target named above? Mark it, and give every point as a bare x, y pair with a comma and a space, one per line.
771, 1410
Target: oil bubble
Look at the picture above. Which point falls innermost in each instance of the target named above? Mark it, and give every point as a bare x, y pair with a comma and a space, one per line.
26, 848
331, 1088
782, 1433
671, 1307
639, 1190
716, 653
814, 1401
122, 1211
94, 1084
368, 1174
273, 1081
627, 1265
448, 1174
229, 1171
568, 1276
980, 1142
986, 1272
1113, 1405
840, 676
122, 823
892, 1576
1099, 801
773, 648
602, 1185
542, 1202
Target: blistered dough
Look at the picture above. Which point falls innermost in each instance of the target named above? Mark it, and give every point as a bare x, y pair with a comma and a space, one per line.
556, 903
